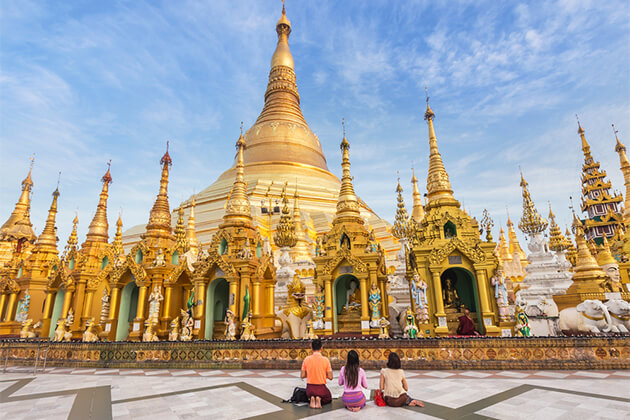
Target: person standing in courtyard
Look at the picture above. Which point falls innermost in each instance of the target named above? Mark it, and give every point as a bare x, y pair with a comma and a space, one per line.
352, 377
317, 370
394, 386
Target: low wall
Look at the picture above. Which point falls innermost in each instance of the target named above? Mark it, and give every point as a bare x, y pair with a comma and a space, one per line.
431, 353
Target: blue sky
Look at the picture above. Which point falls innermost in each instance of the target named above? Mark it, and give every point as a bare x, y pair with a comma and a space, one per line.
85, 82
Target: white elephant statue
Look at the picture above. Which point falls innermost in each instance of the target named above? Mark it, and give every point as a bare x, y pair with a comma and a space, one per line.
590, 316
620, 315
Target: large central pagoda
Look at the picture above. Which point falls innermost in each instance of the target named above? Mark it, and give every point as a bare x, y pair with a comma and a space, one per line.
282, 149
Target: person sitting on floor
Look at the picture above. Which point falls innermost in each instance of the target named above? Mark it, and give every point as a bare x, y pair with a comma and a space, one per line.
394, 385
466, 325
316, 369
352, 377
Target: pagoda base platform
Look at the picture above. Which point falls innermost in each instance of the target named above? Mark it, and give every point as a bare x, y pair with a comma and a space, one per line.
577, 353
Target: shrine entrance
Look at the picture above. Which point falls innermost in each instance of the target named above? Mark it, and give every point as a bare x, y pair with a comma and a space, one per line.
347, 304
217, 303
459, 292
127, 311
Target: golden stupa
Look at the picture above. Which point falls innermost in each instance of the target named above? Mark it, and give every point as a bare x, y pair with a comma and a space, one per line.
281, 150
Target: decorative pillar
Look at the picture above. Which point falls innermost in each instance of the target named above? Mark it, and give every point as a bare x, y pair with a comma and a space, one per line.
270, 298
166, 303
384, 299
3, 301
113, 302
47, 306
11, 307
365, 306
66, 304
256, 298
440, 316
79, 296
328, 310
487, 315
87, 306
233, 297
142, 297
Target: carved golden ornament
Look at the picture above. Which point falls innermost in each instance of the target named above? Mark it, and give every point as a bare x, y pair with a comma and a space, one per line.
213, 259
473, 252
344, 254
532, 222
175, 274
402, 223
557, 241
285, 235
487, 223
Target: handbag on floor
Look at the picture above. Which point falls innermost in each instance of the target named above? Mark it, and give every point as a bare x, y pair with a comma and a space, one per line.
378, 398
299, 396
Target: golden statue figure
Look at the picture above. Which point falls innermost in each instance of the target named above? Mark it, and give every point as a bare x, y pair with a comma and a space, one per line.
449, 294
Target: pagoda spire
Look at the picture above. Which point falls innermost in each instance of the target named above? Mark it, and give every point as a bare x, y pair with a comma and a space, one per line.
118, 243
418, 209
347, 203
237, 206
514, 245
300, 250
438, 184
557, 241
160, 217
180, 230
586, 267
532, 223
21, 213
625, 170
401, 229
502, 247
99, 227
48, 237
73, 239
597, 200
191, 235
285, 231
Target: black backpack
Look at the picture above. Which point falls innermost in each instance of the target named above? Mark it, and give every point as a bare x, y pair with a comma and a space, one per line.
299, 396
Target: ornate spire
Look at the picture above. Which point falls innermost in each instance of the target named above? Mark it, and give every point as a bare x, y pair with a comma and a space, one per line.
502, 247
604, 256
285, 231
598, 201
418, 209
73, 239
237, 206
160, 217
557, 241
515, 246
402, 226
438, 184
347, 203
21, 213
180, 230
48, 237
586, 267
625, 170
570, 246
301, 248
191, 234
118, 243
532, 222
99, 227
281, 134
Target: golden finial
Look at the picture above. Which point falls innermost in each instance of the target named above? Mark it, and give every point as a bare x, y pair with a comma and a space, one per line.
429, 114
159, 225
237, 205
580, 130
180, 230
557, 241
48, 237
347, 201
402, 226
532, 222
417, 212
99, 227
438, 184
118, 244
73, 239
285, 236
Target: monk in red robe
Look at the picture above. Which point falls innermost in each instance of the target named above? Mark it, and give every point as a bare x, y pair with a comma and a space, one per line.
466, 325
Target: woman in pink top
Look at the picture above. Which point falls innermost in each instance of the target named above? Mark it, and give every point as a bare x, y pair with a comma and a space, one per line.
352, 377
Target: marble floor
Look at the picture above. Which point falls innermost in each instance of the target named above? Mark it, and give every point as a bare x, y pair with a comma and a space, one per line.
59, 393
